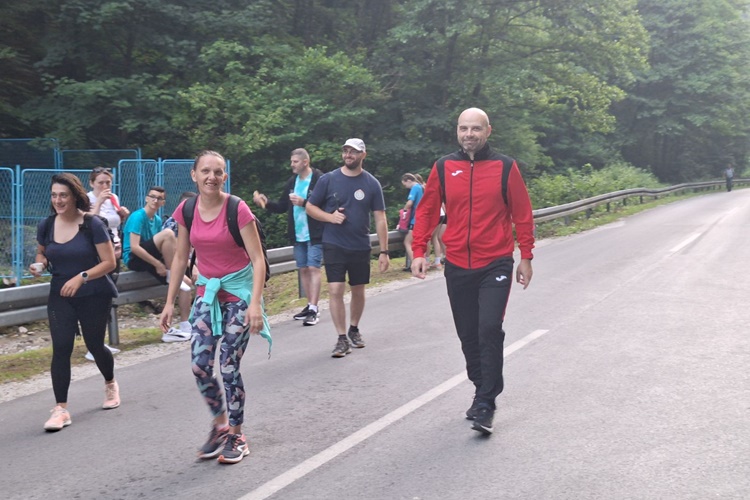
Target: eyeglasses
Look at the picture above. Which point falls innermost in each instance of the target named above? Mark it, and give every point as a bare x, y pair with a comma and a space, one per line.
157, 198
98, 170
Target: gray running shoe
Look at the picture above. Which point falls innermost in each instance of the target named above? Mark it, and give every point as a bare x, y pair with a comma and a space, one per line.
235, 449
356, 339
342, 348
216, 440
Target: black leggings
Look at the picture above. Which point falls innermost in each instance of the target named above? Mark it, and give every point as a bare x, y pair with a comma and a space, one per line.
65, 313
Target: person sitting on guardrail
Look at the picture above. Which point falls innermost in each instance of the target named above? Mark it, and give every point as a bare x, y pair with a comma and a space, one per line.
81, 291
228, 307
182, 332
147, 247
305, 233
106, 204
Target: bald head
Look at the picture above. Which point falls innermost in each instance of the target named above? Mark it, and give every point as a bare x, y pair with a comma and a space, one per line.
472, 130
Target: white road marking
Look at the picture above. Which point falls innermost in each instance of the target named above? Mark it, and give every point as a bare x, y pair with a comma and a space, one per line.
285, 479
685, 242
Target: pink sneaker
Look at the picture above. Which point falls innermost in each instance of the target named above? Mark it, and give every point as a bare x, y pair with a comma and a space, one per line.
111, 396
60, 418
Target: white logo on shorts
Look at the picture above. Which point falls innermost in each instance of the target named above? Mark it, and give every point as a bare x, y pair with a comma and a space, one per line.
359, 195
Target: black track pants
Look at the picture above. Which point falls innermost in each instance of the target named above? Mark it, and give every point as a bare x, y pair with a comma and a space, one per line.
478, 299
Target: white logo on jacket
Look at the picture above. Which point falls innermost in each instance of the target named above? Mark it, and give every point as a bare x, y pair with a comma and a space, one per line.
457, 172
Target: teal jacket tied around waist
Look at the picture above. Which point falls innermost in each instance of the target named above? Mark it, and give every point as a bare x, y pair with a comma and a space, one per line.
239, 284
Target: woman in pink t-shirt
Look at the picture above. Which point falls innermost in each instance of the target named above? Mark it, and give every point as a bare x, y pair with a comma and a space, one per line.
228, 306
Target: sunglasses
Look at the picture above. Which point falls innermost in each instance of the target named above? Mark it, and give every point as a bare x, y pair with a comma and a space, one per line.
157, 198
98, 170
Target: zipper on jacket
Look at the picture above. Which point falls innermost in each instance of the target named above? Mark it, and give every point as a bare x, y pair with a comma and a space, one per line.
471, 203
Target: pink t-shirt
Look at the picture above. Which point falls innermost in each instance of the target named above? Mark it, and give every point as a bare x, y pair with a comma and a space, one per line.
218, 254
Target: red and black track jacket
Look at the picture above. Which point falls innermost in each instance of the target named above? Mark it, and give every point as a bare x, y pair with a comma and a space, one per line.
480, 224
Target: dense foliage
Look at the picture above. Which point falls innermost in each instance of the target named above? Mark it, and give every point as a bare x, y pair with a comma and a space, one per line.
663, 85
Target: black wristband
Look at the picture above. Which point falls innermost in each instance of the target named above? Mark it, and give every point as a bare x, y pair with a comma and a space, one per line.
385, 252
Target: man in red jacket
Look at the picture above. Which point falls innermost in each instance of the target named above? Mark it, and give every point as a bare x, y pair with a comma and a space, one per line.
482, 206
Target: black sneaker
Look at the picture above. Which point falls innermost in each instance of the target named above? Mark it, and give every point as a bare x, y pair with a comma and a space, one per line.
311, 318
342, 348
216, 440
235, 449
303, 313
471, 413
356, 338
483, 420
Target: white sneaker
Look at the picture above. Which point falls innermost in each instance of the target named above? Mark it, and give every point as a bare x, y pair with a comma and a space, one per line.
175, 335
113, 350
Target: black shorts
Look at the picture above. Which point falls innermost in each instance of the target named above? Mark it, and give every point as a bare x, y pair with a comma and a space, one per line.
340, 261
443, 219
135, 263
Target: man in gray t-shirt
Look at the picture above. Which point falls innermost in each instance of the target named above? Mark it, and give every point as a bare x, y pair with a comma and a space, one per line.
344, 199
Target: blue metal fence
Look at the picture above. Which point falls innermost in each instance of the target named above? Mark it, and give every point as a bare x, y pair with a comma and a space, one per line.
7, 231
92, 158
29, 153
24, 201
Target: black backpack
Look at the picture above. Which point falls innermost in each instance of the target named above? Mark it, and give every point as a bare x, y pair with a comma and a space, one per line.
188, 209
86, 228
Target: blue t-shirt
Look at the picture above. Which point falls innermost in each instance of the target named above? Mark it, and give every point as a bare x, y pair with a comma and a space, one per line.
138, 223
301, 229
358, 196
415, 195
74, 256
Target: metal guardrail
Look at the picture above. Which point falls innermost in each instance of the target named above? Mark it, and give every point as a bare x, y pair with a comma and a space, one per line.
26, 304
575, 207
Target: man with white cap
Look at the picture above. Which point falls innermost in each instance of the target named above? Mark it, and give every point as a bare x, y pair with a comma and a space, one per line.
343, 199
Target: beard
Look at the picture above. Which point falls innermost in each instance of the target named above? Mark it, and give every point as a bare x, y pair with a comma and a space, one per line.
353, 166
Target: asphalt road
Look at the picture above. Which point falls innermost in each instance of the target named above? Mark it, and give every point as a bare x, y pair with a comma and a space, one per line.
626, 378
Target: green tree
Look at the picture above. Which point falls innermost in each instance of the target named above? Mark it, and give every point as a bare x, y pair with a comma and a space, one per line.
536, 67
686, 117
257, 113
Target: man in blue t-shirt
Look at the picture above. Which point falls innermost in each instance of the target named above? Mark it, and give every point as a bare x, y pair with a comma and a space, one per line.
410, 182
148, 247
304, 232
343, 200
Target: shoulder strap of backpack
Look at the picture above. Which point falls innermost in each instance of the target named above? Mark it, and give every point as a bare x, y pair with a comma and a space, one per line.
234, 227
86, 226
440, 165
49, 223
188, 209
507, 166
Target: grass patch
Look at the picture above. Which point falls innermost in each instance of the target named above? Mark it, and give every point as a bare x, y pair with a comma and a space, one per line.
22, 365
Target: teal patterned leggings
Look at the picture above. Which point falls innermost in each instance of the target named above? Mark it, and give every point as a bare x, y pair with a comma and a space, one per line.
232, 345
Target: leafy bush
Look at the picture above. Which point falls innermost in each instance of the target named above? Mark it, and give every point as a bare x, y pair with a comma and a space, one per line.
573, 185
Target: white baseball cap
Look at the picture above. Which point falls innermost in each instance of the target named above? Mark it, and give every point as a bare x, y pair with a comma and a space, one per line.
355, 143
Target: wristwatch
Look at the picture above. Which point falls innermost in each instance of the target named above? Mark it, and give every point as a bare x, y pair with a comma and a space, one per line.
385, 252
85, 277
